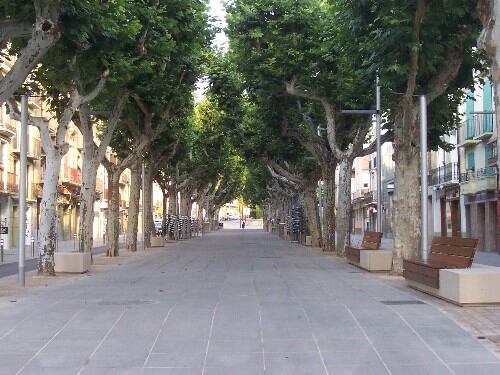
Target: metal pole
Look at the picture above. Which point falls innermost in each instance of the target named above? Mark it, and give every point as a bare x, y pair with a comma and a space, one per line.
379, 158
22, 187
423, 173
143, 210
1, 250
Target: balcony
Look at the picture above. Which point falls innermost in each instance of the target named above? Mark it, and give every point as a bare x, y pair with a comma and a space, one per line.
7, 130
12, 183
71, 176
483, 179
34, 151
447, 174
2, 183
477, 128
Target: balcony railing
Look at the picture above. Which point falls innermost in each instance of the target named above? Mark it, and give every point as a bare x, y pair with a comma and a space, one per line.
12, 183
7, 129
479, 126
445, 174
72, 176
478, 174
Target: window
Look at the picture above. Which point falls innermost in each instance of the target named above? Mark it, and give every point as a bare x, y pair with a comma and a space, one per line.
470, 160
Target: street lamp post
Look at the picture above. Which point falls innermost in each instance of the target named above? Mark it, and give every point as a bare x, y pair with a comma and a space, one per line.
378, 115
22, 187
423, 174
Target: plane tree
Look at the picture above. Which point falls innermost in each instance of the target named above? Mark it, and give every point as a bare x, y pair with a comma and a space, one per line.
434, 57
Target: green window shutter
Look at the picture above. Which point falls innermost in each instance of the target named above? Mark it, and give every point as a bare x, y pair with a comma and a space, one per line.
488, 152
469, 119
470, 160
488, 106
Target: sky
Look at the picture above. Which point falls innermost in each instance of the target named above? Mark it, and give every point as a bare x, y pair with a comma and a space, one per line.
217, 10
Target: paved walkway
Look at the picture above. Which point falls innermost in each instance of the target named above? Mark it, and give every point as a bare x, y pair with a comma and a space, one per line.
235, 302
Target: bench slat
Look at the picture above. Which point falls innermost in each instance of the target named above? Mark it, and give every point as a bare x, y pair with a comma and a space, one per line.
450, 260
453, 250
421, 268
433, 282
455, 241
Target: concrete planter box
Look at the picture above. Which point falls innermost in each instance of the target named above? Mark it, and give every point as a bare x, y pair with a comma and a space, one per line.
157, 241
374, 260
308, 241
466, 286
72, 262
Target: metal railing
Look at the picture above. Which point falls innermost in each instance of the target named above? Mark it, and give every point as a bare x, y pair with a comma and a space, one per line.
478, 174
447, 173
12, 183
479, 124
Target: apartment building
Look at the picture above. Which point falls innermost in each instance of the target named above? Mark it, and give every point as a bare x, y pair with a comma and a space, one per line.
364, 192
478, 170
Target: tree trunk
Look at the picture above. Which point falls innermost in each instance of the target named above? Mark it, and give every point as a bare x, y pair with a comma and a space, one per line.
328, 174
312, 213
113, 214
172, 200
133, 208
148, 204
344, 206
199, 214
406, 220
164, 212
47, 233
211, 216
87, 199
185, 203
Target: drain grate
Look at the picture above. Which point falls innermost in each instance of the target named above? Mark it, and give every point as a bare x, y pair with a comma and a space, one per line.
403, 302
355, 272
269, 257
126, 302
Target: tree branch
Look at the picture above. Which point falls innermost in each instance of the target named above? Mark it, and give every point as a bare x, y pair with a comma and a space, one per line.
446, 74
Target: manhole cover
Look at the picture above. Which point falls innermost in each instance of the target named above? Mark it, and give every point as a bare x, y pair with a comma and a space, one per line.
125, 302
404, 302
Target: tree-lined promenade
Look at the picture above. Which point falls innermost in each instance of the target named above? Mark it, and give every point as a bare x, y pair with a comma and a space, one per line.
270, 125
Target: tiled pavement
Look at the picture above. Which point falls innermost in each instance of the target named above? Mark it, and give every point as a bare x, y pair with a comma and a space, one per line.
234, 302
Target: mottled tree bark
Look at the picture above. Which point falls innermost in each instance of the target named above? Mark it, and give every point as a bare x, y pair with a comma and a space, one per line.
344, 205
133, 208
113, 213
148, 204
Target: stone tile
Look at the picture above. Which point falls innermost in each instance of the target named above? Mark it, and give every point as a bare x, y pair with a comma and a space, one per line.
235, 346
289, 345
476, 368
366, 357
423, 369
177, 359
234, 360
294, 363
373, 369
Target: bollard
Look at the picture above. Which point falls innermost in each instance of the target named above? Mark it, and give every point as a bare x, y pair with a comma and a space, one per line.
1, 250
74, 242
32, 247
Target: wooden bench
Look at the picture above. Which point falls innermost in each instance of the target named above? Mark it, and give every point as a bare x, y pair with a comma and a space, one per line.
371, 241
445, 253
